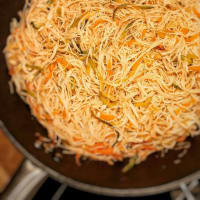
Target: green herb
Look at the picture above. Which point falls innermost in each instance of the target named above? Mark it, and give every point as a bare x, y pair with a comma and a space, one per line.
35, 26
93, 65
50, 1
176, 86
34, 67
187, 59
144, 7
118, 8
29, 93
105, 100
130, 165
117, 138
109, 124
124, 33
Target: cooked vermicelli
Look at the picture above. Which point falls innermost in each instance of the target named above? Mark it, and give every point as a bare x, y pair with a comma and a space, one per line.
109, 79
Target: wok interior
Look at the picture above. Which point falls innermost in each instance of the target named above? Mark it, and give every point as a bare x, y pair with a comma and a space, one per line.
17, 118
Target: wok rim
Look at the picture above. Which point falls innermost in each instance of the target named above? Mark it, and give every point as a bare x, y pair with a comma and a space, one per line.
97, 189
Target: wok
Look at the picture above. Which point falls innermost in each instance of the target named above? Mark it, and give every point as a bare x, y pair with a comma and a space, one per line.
155, 175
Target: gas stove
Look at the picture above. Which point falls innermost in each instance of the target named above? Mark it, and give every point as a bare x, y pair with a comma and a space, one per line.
33, 183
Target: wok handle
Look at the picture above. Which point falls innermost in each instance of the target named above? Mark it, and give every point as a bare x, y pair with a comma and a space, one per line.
26, 182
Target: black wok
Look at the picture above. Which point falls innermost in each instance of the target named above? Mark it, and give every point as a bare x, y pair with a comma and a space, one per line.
152, 176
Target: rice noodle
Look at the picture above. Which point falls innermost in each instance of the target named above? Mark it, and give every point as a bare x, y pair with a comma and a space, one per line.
109, 79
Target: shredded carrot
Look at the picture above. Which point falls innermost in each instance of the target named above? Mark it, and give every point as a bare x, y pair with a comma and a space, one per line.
77, 159
143, 33
137, 77
192, 38
148, 147
28, 86
196, 12
50, 74
130, 42
105, 151
99, 21
188, 9
110, 72
64, 63
11, 71
153, 39
157, 56
188, 104
181, 139
161, 34
106, 117
184, 30
134, 67
159, 19
64, 114
110, 136
56, 112
109, 65
145, 103
177, 111
177, 41
194, 68
130, 124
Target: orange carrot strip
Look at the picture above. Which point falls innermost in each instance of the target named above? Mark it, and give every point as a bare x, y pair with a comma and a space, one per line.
194, 68
110, 136
134, 67
148, 147
161, 34
99, 21
64, 114
110, 72
106, 117
109, 65
189, 103
77, 159
144, 103
130, 42
196, 12
107, 151
50, 67
143, 33
192, 38
181, 139
62, 61
184, 30
159, 19
11, 71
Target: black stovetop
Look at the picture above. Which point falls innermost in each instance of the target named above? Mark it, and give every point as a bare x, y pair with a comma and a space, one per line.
49, 188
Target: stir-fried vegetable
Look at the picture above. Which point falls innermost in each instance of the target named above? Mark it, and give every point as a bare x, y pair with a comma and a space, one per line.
134, 68
105, 100
144, 103
106, 117
35, 25
130, 165
124, 33
50, 1
192, 38
29, 93
194, 68
34, 67
176, 86
196, 12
